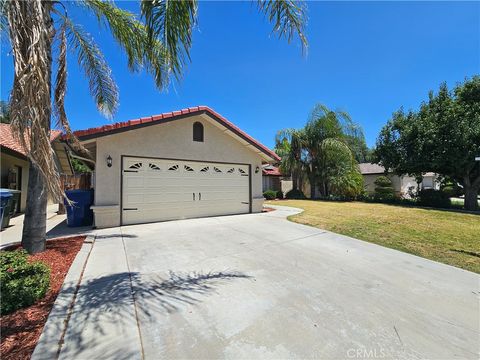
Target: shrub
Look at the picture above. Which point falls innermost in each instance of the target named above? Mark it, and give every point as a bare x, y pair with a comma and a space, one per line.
295, 194
270, 194
348, 186
449, 191
22, 282
384, 188
433, 198
279, 194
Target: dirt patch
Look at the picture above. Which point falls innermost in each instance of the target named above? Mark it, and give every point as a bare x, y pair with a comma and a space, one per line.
20, 330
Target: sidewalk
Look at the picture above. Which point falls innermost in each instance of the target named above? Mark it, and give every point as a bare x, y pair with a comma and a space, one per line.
56, 227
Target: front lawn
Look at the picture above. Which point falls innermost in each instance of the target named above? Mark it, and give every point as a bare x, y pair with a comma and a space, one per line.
449, 237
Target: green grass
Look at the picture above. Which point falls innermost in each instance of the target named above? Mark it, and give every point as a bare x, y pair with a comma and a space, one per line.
449, 237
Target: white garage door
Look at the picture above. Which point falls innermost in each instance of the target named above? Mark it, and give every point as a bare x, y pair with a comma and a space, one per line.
160, 189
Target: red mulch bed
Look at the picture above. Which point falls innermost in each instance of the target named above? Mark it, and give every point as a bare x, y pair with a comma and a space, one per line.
21, 329
268, 209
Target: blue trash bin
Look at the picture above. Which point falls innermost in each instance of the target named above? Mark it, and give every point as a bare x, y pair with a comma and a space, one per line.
5, 204
79, 213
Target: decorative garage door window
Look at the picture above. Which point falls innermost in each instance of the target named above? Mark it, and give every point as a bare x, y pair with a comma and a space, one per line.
153, 166
173, 168
188, 168
205, 169
135, 166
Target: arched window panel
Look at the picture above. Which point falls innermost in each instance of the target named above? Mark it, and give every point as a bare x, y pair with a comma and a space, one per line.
198, 131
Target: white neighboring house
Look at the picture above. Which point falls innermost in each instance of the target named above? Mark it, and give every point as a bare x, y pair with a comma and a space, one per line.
401, 184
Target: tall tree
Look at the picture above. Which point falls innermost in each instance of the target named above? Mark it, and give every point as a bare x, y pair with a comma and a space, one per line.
157, 41
288, 145
443, 136
320, 150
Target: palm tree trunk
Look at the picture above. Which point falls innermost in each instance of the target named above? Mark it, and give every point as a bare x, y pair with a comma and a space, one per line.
312, 186
294, 180
34, 225
35, 222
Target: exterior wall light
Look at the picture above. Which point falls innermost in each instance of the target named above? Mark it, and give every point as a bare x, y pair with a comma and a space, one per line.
257, 169
109, 161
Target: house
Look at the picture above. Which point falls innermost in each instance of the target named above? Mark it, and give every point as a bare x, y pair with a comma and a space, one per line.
401, 184
273, 179
15, 165
182, 164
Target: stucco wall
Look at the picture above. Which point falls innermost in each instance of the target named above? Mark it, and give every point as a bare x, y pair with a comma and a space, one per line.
369, 180
169, 140
9, 161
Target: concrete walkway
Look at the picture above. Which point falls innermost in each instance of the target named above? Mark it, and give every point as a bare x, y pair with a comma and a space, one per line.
258, 287
56, 227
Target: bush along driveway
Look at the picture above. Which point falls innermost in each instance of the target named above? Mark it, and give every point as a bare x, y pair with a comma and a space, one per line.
446, 236
258, 286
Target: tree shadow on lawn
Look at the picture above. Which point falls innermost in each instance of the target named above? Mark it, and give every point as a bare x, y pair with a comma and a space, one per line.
104, 305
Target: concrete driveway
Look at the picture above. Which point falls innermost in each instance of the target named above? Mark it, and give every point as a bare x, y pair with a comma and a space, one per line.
261, 287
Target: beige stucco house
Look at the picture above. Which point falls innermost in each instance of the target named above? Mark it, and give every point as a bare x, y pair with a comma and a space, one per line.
401, 184
183, 164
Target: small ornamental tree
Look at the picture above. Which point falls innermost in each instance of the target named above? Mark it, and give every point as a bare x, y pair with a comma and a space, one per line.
384, 188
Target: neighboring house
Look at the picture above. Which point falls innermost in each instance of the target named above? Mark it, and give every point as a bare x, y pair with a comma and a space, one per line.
181, 164
272, 179
15, 165
401, 184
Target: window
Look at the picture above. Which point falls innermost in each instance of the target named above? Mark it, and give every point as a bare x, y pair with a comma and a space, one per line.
153, 166
198, 132
217, 169
135, 166
173, 168
205, 169
187, 168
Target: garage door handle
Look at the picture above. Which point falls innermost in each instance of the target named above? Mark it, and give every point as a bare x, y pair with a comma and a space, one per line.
130, 208
243, 202
193, 196
199, 196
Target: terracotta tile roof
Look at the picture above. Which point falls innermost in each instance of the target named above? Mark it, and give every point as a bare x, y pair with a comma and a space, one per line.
271, 171
169, 116
8, 140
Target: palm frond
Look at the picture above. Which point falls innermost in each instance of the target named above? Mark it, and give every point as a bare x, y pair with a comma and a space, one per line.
61, 89
31, 38
171, 22
101, 84
142, 50
288, 17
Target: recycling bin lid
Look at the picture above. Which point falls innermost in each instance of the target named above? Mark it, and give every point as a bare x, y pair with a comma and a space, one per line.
5, 193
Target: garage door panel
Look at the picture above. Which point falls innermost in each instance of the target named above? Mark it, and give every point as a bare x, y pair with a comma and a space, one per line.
158, 190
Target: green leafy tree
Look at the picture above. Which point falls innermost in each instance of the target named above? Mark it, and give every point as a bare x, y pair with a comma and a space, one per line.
158, 41
443, 136
384, 188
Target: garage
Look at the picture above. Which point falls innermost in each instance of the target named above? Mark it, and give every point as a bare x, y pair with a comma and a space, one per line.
166, 189
176, 165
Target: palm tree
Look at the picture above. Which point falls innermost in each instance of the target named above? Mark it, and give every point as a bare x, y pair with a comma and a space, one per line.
157, 42
288, 146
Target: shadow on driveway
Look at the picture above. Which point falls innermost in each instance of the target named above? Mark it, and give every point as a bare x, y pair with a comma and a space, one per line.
104, 307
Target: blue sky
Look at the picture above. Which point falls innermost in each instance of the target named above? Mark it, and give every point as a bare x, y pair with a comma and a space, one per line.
368, 58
